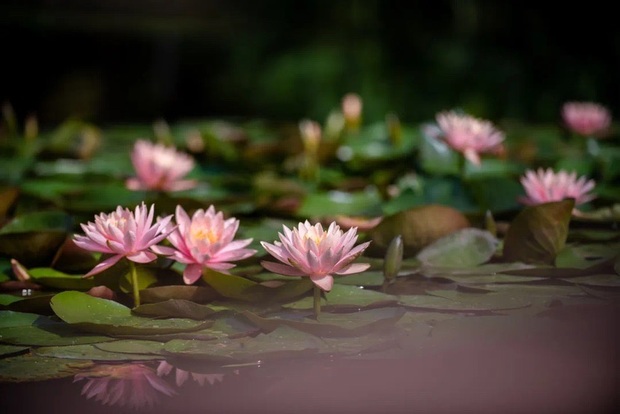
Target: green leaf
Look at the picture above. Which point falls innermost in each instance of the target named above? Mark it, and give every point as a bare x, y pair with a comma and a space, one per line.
538, 233
197, 294
111, 318
132, 346
332, 325
467, 247
340, 202
454, 301
55, 279
26, 368
175, 308
343, 298
89, 352
12, 350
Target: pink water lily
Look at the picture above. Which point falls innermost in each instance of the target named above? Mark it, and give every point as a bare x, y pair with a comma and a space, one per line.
308, 250
544, 186
586, 118
469, 135
205, 240
124, 233
133, 385
181, 376
159, 167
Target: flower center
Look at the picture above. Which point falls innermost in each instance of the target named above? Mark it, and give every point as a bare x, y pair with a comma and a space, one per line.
202, 234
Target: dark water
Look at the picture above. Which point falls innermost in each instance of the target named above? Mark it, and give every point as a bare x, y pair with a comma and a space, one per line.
563, 363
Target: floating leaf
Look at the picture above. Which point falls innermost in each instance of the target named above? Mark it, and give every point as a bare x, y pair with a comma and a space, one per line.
175, 308
463, 248
339, 202
12, 350
333, 325
343, 297
132, 346
111, 318
89, 352
52, 278
197, 294
30, 367
283, 342
35, 302
538, 233
454, 301
418, 228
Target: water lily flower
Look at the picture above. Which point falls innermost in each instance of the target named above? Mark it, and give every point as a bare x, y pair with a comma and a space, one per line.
133, 385
586, 118
309, 250
181, 375
469, 135
159, 167
544, 186
205, 240
352, 109
123, 233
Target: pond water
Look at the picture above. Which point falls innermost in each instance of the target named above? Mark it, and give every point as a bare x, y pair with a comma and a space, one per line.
565, 361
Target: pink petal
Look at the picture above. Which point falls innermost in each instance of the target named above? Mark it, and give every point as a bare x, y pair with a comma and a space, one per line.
282, 269
353, 268
142, 257
192, 273
109, 262
325, 282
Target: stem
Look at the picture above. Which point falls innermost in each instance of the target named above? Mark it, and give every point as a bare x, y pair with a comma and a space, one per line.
317, 302
134, 284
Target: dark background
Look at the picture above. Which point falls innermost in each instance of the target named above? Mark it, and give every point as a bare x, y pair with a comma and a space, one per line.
137, 61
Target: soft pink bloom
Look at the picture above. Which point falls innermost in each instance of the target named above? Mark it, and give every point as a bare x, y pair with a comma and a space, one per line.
310, 135
352, 107
205, 240
133, 385
469, 135
123, 233
181, 375
586, 118
310, 251
159, 167
544, 186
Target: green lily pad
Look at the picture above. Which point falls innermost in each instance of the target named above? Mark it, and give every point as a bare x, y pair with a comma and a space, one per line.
454, 301
197, 294
89, 352
12, 350
132, 346
240, 288
343, 298
34, 238
97, 315
602, 280
463, 248
37, 302
538, 233
333, 325
339, 202
283, 342
175, 308
418, 227
55, 279
26, 368
582, 256
366, 279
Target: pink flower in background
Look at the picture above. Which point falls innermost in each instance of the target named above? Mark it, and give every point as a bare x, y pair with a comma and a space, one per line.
586, 118
181, 376
310, 251
544, 186
133, 385
468, 135
124, 233
352, 108
205, 240
159, 167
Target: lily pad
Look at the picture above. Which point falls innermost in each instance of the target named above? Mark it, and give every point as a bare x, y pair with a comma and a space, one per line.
538, 233
132, 346
454, 301
12, 350
97, 315
333, 325
26, 368
175, 308
54, 279
344, 298
197, 294
463, 248
283, 342
89, 352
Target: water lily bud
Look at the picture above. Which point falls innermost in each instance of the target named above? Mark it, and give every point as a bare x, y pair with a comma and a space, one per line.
352, 110
393, 258
310, 136
395, 131
489, 223
31, 128
20, 272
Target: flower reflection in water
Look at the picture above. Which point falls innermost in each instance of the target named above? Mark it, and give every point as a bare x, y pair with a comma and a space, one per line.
181, 375
133, 385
